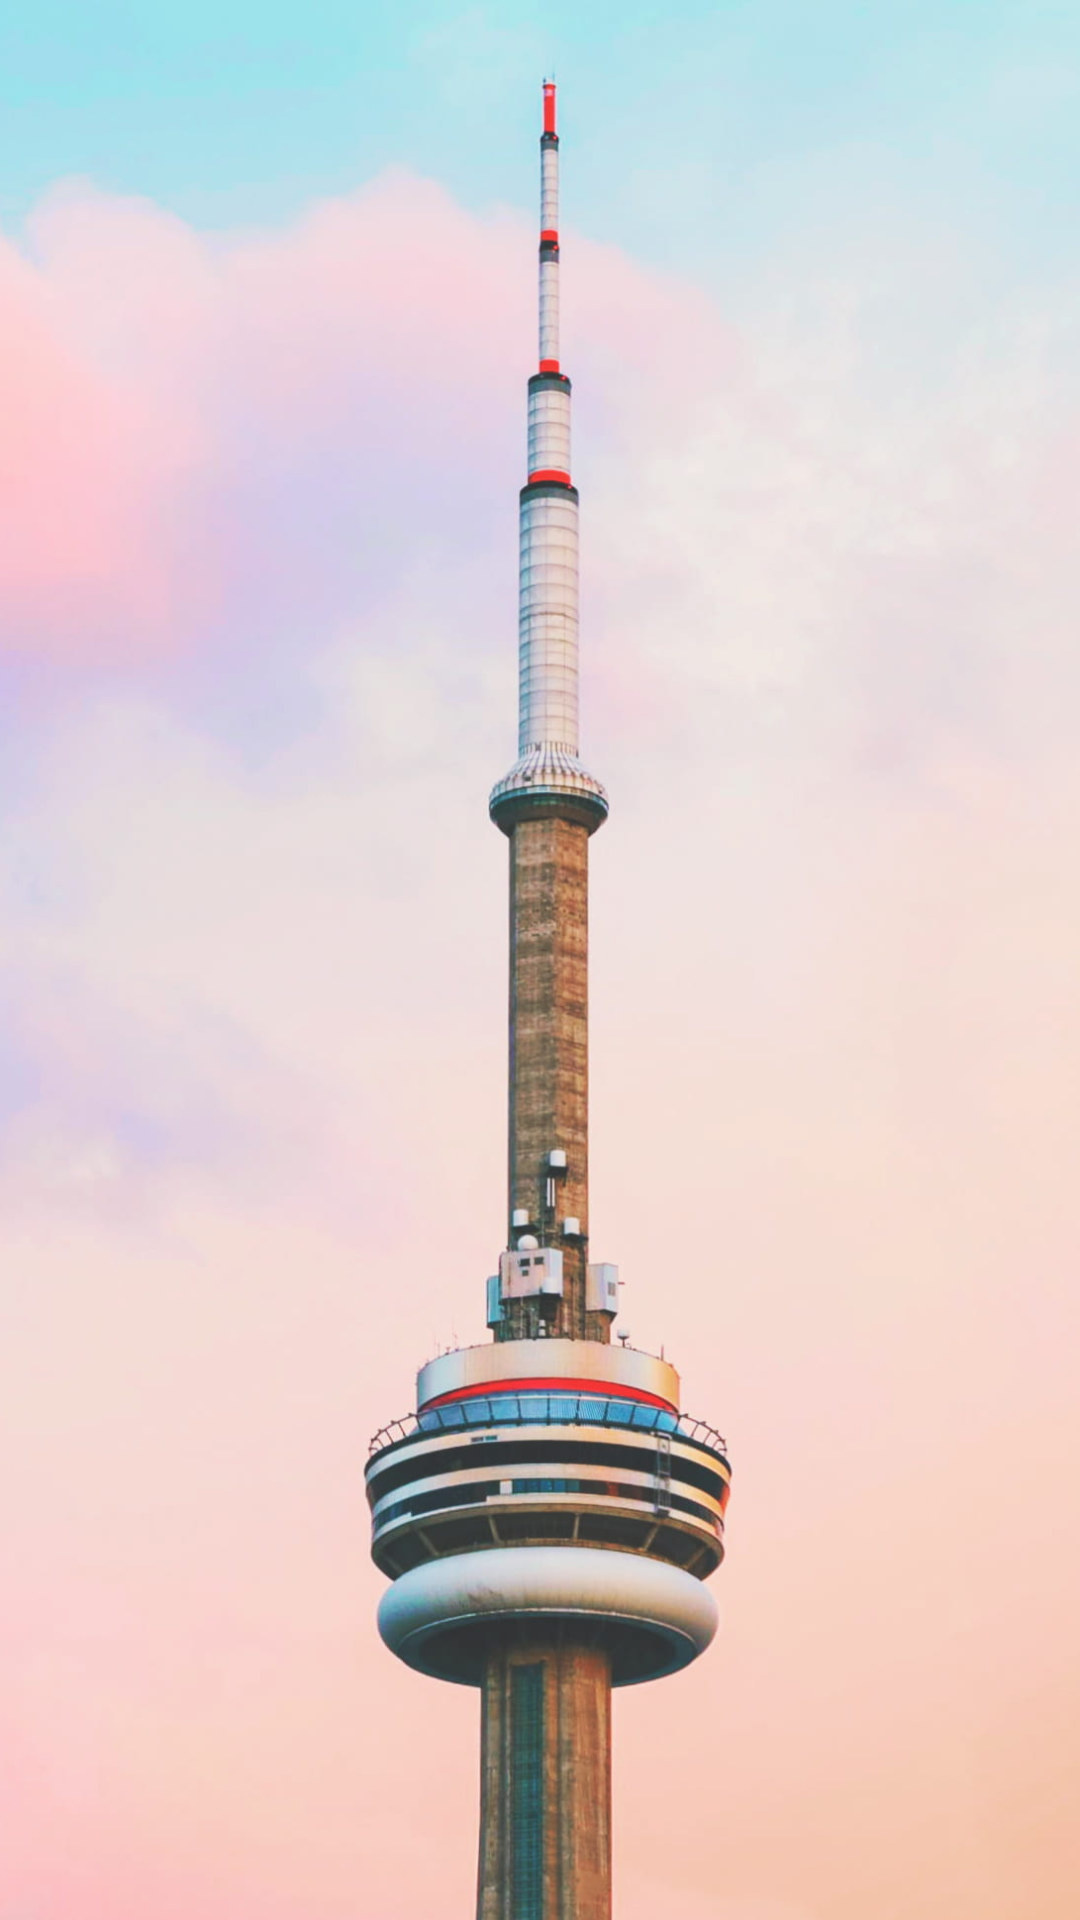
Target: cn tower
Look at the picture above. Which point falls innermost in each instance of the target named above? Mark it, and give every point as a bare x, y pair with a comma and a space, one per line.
548, 1516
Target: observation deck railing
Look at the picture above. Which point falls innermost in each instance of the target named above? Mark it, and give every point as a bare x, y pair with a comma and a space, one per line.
549, 1409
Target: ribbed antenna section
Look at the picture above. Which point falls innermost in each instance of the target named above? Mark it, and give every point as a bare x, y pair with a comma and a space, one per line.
548, 775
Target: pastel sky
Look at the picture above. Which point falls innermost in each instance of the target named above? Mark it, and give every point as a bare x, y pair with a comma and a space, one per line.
266, 284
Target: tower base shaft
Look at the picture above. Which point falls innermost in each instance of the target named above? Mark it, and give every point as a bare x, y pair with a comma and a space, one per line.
545, 1779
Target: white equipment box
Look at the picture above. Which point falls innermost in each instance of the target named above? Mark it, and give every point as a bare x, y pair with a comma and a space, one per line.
602, 1288
523, 1275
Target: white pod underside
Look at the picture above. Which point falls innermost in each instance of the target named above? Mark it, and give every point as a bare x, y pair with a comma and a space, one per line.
657, 1617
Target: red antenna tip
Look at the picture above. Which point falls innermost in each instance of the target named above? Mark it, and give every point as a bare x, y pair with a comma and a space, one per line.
549, 106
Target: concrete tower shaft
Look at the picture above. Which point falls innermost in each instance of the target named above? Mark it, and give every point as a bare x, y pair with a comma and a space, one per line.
549, 1066
545, 1782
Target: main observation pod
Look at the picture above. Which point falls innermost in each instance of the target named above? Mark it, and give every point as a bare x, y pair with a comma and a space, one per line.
523, 1455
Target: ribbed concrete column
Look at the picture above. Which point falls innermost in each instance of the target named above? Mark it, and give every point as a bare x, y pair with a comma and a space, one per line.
545, 1784
549, 1058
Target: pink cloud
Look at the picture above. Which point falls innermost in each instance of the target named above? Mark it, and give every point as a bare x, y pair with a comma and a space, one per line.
81, 452
201, 426
177, 408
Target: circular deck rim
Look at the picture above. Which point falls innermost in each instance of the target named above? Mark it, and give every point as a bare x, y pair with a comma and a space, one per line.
655, 1618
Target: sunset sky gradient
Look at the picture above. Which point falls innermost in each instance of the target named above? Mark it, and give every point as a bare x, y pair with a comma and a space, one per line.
266, 316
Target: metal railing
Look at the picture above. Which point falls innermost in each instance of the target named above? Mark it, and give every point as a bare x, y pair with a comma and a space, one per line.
548, 1409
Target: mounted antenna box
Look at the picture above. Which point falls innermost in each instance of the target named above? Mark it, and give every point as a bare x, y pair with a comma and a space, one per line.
519, 1217
524, 1275
557, 1160
602, 1288
494, 1300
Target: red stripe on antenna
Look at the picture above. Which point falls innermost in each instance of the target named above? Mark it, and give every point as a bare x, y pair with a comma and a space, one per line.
549, 106
550, 473
549, 366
